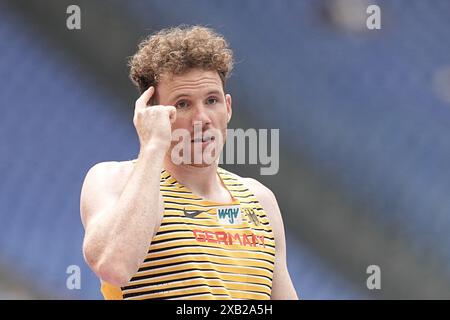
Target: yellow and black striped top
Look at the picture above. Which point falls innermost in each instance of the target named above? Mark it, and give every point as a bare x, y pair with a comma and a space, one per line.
204, 249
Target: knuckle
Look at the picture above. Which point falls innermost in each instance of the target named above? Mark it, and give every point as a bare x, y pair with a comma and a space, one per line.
139, 114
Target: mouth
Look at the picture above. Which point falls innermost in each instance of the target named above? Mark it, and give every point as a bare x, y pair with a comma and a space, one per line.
203, 139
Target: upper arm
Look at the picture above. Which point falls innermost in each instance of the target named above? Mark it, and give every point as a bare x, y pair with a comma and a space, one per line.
98, 192
102, 188
282, 287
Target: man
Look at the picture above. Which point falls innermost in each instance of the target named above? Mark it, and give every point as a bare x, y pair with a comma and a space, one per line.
158, 227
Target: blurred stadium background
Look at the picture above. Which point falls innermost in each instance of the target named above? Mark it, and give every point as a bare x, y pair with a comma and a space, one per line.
364, 120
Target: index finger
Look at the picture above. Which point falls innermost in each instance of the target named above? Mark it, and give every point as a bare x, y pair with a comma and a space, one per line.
145, 97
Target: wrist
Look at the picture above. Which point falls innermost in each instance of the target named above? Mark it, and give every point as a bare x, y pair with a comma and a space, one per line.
154, 150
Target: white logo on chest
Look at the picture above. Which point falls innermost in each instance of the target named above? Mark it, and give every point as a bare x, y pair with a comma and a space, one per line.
229, 215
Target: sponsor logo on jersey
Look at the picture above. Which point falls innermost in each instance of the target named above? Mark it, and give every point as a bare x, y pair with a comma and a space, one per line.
194, 213
229, 215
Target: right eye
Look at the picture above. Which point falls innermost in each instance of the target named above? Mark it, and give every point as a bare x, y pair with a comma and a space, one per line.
181, 105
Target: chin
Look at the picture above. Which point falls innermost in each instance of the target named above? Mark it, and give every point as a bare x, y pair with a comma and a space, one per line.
203, 163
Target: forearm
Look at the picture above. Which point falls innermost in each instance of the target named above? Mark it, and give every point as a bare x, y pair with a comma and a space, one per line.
118, 239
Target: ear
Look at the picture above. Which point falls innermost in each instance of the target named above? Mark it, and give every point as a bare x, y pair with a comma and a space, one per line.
229, 109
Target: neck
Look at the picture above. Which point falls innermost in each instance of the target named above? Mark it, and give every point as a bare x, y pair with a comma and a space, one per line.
203, 181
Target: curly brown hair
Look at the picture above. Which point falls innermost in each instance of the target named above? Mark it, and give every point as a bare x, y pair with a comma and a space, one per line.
176, 50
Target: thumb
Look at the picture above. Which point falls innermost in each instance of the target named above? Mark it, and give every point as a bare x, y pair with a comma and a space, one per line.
172, 114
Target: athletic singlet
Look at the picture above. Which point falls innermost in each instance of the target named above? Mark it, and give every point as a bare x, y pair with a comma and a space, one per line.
205, 249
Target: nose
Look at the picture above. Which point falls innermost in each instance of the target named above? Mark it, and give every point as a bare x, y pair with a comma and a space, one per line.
201, 116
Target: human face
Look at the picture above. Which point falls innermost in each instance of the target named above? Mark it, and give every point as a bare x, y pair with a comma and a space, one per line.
203, 113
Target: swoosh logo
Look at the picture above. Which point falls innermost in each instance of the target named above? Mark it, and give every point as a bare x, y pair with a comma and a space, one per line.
193, 213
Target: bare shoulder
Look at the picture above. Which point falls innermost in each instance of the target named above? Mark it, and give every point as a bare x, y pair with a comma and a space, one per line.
263, 193
266, 198
110, 175
102, 185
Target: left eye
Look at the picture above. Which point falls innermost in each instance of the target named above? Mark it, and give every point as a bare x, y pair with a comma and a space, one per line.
211, 101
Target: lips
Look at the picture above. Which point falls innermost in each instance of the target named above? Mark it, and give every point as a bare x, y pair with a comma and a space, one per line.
203, 139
